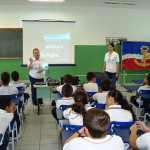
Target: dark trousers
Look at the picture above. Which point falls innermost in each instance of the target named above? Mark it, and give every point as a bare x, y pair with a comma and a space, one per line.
112, 78
16, 118
5, 141
33, 90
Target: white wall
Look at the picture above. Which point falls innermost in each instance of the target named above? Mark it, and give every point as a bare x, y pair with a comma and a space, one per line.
93, 25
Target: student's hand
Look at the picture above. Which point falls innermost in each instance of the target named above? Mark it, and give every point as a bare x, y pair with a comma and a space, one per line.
12, 108
31, 60
116, 75
82, 131
40, 70
106, 107
141, 126
134, 128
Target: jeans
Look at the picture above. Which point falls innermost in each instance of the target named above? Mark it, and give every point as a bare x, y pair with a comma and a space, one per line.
33, 90
5, 141
112, 78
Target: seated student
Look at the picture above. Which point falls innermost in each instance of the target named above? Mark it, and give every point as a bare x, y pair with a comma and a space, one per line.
6, 89
67, 92
141, 142
118, 108
102, 94
91, 86
76, 112
96, 125
6, 116
16, 78
145, 87
68, 78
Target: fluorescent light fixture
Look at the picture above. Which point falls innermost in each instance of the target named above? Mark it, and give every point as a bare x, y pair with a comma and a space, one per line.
46, 0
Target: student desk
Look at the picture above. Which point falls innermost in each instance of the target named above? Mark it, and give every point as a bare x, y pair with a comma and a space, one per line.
43, 91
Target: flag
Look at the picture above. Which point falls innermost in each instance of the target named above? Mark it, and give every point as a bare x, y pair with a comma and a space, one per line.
135, 55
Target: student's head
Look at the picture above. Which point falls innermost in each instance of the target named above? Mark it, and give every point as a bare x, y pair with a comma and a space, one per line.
36, 53
4, 102
15, 75
111, 47
5, 77
96, 122
115, 97
81, 99
147, 80
91, 76
105, 84
68, 78
67, 90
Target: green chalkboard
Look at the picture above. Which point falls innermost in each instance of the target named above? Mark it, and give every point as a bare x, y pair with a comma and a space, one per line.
11, 43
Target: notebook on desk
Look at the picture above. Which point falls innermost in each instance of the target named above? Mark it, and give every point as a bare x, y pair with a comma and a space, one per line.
40, 83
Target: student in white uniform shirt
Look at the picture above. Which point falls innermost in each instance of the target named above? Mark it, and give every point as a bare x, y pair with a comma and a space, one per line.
6, 116
68, 78
96, 124
36, 66
111, 64
118, 108
102, 94
141, 142
91, 86
76, 112
67, 92
135, 99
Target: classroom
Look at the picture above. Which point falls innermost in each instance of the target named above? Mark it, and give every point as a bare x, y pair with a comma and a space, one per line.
65, 60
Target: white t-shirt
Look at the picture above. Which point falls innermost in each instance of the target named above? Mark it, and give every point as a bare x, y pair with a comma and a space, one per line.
111, 61
36, 65
145, 87
17, 84
108, 143
8, 90
5, 119
116, 113
74, 118
90, 87
101, 97
143, 142
59, 88
64, 101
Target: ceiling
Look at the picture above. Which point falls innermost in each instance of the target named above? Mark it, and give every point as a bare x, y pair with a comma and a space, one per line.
139, 4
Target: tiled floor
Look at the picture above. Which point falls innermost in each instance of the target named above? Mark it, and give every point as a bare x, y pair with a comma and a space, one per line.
40, 132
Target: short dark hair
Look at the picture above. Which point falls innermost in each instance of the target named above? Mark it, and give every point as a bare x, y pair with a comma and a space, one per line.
112, 44
4, 102
97, 122
90, 76
15, 75
68, 78
5, 77
106, 84
67, 90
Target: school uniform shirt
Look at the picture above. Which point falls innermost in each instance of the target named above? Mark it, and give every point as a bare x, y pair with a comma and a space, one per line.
145, 87
101, 97
116, 113
5, 119
143, 142
17, 84
36, 65
59, 88
108, 143
64, 101
111, 61
8, 90
90, 87
73, 117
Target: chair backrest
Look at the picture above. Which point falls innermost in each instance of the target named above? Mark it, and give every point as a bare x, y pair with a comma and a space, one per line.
101, 106
14, 98
72, 127
27, 84
144, 94
63, 107
122, 129
90, 94
1, 136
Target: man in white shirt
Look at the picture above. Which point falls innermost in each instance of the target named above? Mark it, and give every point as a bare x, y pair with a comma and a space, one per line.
91, 86
96, 124
6, 116
141, 142
102, 94
67, 92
